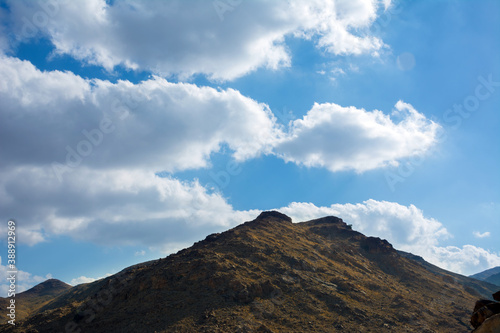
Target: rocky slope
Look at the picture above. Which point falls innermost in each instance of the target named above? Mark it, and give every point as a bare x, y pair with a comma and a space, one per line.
271, 275
33, 299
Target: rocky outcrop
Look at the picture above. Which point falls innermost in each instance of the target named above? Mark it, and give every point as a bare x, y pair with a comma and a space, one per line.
272, 214
490, 325
376, 245
486, 316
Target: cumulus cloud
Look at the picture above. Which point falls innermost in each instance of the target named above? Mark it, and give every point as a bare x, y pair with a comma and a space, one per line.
83, 153
24, 280
158, 125
182, 38
468, 259
406, 228
115, 207
347, 138
67, 121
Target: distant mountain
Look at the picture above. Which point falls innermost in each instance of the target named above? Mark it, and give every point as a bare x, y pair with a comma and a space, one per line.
486, 274
33, 299
271, 275
495, 279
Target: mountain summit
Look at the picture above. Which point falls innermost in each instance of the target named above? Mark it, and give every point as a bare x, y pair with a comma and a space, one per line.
271, 275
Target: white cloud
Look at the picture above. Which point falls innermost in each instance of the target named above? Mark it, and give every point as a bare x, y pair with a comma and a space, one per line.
468, 259
127, 207
84, 279
64, 120
185, 38
24, 280
157, 125
346, 138
478, 234
104, 183
406, 228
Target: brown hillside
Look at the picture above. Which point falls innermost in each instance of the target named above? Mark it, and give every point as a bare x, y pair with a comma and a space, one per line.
271, 275
33, 299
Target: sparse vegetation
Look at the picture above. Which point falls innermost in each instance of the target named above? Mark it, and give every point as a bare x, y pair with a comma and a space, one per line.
271, 275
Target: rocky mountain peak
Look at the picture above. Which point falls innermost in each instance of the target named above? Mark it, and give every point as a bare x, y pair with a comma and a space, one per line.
49, 286
274, 215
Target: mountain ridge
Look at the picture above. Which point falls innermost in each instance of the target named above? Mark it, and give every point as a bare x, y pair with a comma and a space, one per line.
491, 275
271, 275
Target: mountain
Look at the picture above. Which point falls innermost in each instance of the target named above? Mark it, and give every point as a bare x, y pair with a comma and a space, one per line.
495, 279
485, 274
271, 275
33, 299
491, 275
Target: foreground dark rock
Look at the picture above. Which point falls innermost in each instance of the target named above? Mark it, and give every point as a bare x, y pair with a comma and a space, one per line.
486, 316
271, 275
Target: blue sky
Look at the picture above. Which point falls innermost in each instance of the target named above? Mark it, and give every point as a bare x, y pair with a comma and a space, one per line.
183, 120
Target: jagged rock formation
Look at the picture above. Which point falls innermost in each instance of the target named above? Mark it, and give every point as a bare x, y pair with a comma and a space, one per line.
271, 275
486, 315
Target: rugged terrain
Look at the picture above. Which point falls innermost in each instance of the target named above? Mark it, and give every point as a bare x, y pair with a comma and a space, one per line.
271, 275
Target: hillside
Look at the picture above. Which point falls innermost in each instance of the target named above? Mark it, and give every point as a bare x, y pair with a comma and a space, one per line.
271, 275
33, 299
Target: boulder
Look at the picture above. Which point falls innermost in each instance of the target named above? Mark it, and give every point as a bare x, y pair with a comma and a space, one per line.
481, 303
483, 313
490, 325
